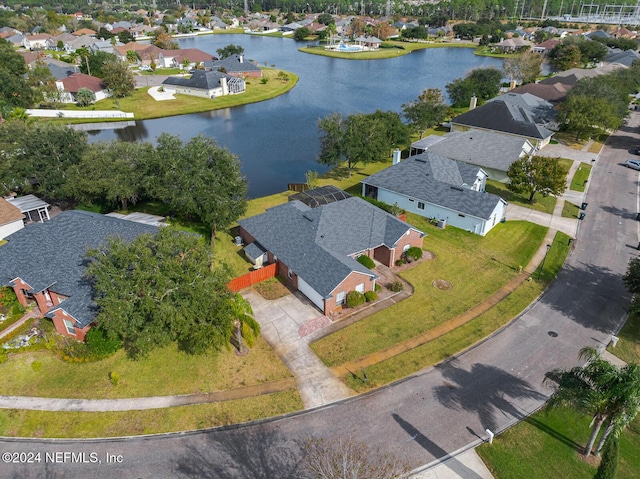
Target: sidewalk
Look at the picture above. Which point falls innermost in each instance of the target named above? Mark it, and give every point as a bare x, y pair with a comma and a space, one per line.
466, 465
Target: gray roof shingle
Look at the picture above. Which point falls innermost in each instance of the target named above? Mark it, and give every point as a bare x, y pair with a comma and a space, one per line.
51, 255
513, 113
316, 243
433, 179
200, 79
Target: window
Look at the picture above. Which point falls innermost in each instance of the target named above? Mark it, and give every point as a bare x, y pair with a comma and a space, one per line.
420, 205
406, 248
341, 298
69, 325
360, 288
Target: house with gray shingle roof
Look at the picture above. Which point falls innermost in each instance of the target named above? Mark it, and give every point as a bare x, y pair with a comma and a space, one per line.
205, 84
234, 65
44, 263
433, 186
516, 114
493, 152
316, 248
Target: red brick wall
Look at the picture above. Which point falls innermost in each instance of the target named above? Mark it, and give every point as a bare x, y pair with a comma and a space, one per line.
19, 288
58, 322
412, 239
348, 284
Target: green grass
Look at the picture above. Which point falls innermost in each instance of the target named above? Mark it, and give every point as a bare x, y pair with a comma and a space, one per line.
474, 265
145, 107
452, 343
23, 423
547, 445
628, 348
165, 372
544, 204
389, 49
569, 210
580, 178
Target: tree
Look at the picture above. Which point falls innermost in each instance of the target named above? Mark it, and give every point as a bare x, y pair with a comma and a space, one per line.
165, 41
350, 459
428, 110
13, 87
484, 83
160, 289
110, 173
301, 33
565, 57
247, 328
581, 113
610, 394
93, 63
133, 56
396, 133
125, 37
85, 97
537, 174
631, 280
608, 468
357, 139
119, 78
229, 50
38, 156
523, 68
41, 81
200, 180
325, 19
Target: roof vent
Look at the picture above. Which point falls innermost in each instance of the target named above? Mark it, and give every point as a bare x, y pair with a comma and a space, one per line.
458, 188
421, 160
307, 217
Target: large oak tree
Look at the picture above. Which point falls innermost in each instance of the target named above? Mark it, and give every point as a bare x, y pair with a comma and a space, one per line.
537, 174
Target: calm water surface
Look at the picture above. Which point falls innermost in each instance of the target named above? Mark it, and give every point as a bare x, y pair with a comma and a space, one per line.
277, 140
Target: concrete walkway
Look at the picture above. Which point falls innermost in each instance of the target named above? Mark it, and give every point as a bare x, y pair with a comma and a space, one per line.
158, 95
34, 313
282, 321
558, 223
459, 466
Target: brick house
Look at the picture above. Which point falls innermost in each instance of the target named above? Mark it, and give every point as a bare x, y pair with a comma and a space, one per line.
316, 248
44, 263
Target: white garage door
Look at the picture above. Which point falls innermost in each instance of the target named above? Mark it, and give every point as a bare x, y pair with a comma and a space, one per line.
310, 293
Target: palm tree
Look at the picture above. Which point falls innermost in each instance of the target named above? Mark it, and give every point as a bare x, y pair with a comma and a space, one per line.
608, 393
246, 327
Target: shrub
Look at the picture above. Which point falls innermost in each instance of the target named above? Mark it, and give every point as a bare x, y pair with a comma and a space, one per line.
414, 253
4, 356
100, 345
378, 288
264, 80
355, 298
365, 261
370, 296
399, 262
114, 377
396, 286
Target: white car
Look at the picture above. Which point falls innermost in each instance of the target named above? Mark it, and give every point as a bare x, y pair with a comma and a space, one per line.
144, 68
633, 164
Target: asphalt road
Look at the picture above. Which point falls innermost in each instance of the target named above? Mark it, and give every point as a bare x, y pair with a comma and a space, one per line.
421, 418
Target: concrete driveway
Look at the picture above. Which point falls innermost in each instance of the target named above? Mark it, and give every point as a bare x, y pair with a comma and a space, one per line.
285, 322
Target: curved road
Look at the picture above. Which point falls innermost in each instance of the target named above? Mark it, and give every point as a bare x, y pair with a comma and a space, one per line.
426, 416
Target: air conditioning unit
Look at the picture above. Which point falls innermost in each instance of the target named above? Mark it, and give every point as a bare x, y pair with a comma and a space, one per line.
238, 241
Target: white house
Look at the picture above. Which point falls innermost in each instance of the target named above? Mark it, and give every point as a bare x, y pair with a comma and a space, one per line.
436, 187
11, 219
205, 84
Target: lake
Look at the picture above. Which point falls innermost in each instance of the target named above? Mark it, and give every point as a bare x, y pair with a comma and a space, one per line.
277, 140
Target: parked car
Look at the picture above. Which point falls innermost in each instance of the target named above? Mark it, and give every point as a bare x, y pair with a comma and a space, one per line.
635, 150
633, 164
144, 68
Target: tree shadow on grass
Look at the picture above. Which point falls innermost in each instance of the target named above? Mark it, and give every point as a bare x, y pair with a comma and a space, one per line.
554, 434
257, 452
486, 391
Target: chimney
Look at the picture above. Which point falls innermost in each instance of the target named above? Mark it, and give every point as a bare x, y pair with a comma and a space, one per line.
512, 85
223, 84
474, 102
396, 156
241, 57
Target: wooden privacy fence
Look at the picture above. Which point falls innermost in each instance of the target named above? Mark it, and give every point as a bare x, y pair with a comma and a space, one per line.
253, 277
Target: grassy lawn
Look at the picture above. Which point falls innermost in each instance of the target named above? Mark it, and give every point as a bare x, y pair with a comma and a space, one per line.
580, 178
544, 204
22, 423
478, 266
569, 210
628, 348
389, 49
145, 107
165, 372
